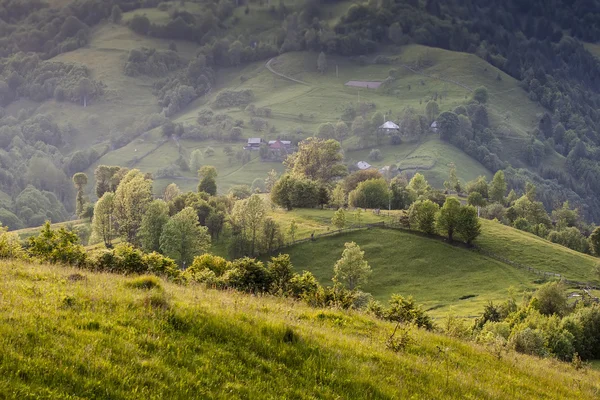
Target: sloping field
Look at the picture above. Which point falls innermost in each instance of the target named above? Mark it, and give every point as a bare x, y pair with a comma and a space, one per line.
434, 273
97, 336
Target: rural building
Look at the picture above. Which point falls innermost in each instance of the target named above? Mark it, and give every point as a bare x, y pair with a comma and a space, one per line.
434, 126
389, 128
280, 144
362, 165
254, 143
364, 84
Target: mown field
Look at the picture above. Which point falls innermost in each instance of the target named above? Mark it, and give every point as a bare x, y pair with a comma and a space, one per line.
69, 333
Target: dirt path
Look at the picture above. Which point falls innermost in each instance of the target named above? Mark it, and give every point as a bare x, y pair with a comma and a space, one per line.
289, 78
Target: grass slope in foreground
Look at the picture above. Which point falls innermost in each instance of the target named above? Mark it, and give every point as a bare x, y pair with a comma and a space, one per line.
100, 337
436, 274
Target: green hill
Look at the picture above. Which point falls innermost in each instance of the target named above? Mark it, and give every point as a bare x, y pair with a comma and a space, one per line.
442, 277
98, 336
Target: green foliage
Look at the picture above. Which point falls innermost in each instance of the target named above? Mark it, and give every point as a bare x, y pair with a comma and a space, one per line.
216, 264
594, 242
240, 192
183, 238
208, 185
339, 219
303, 286
282, 272
290, 192
372, 193
469, 226
103, 225
406, 310
497, 188
475, 199
448, 125
231, 98
10, 247
419, 185
317, 159
351, 270
55, 247
448, 218
131, 201
571, 238
249, 275
422, 216
480, 95
152, 226
144, 282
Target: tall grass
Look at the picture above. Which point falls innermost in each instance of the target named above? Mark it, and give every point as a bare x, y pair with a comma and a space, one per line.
100, 338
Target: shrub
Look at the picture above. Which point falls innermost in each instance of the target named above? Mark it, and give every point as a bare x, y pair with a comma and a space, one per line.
10, 248
158, 264
405, 310
57, 247
249, 275
216, 264
232, 98
528, 341
303, 286
375, 155
144, 282
129, 259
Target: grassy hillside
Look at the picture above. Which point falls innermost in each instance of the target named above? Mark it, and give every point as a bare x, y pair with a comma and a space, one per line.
533, 251
321, 100
74, 335
435, 273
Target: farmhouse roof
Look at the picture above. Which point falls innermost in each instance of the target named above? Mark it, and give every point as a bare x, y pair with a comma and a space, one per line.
284, 142
389, 125
255, 140
363, 165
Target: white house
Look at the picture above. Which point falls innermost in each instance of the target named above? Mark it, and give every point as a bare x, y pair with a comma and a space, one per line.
362, 165
390, 128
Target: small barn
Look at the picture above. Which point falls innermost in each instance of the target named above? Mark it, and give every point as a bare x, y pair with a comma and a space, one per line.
253, 143
389, 128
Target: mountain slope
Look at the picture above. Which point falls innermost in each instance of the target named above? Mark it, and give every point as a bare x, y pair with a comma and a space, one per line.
97, 336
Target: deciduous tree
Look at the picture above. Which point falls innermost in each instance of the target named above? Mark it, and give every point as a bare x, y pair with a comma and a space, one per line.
351, 270
183, 238
153, 222
448, 217
103, 226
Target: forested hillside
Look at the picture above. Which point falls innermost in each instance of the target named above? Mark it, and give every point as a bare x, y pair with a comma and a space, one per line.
173, 68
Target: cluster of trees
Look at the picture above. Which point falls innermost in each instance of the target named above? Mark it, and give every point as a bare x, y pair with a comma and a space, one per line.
563, 225
180, 226
178, 90
153, 62
545, 325
311, 174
